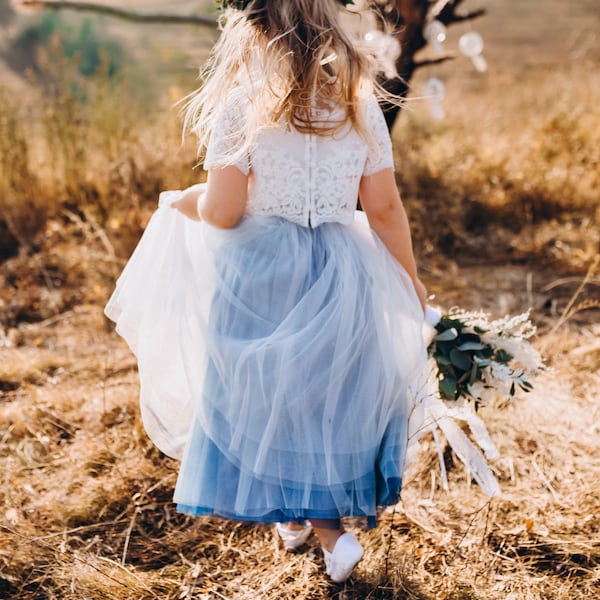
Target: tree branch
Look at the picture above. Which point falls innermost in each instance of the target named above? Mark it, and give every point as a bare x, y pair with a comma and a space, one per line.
450, 17
445, 11
121, 13
433, 61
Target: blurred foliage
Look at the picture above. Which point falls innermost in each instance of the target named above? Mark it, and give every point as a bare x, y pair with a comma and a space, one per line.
7, 13
82, 161
21, 215
80, 42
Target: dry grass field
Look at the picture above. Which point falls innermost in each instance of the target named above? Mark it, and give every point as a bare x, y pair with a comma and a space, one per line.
504, 197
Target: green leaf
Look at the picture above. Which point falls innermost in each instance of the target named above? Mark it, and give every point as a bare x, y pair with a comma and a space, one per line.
440, 359
470, 337
460, 359
444, 347
487, 352
448, 322
447, 387
474, 373
512, 389
447, 335
471, 346
479, 330
502, 356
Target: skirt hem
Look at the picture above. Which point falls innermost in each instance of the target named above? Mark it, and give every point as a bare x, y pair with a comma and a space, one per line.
280, 516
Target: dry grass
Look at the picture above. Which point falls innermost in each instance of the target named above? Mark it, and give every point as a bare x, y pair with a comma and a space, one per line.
515, 174
522, 187
81, 165
86, 501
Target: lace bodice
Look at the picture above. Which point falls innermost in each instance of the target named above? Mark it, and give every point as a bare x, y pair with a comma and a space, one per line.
305, 178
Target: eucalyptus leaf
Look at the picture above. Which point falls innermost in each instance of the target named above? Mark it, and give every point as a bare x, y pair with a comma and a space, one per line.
460, 359
482, 362
449, 323
474, 373
447, 388
470, 337
471, 346
446, 336
502, 356
487, 352
444, 347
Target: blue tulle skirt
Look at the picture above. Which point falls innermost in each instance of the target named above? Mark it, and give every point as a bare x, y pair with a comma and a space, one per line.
276, 361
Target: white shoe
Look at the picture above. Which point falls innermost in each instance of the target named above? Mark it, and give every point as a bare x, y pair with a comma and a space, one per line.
293, 538
346, 553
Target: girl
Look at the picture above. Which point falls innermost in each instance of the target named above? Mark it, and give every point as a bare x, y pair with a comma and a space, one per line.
277, 334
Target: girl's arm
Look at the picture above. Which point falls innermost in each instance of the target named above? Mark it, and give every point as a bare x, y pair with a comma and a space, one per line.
223, 202
381, 202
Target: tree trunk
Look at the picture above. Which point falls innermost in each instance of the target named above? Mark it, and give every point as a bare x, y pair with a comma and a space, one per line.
408, 18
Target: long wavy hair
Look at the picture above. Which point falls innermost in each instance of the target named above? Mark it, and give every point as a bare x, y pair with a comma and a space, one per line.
287, 58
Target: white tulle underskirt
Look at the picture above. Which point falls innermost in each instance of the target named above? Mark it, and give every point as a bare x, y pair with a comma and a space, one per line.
284, 365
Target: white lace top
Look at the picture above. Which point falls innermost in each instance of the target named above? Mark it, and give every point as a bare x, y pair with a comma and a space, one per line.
305, 178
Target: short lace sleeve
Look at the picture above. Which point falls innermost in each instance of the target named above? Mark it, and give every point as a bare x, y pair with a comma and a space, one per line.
380, 147
226, 144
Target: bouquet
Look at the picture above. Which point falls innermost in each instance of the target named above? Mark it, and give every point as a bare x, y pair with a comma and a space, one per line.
476, 361
481, 361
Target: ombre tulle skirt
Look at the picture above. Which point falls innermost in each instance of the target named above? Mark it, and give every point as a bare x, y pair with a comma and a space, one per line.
278, 362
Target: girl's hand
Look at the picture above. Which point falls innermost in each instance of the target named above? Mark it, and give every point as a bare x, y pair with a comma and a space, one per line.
187, 204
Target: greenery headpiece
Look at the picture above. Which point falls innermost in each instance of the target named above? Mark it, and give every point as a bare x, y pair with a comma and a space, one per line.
241, 4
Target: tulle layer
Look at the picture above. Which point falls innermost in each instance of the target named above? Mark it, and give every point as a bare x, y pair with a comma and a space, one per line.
280, 358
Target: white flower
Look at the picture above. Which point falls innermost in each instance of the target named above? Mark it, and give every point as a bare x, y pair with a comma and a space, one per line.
523, 353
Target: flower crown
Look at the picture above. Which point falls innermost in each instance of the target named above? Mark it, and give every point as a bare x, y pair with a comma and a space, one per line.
242, 4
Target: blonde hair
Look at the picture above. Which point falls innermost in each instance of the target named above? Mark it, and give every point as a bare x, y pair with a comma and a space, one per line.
287, 58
